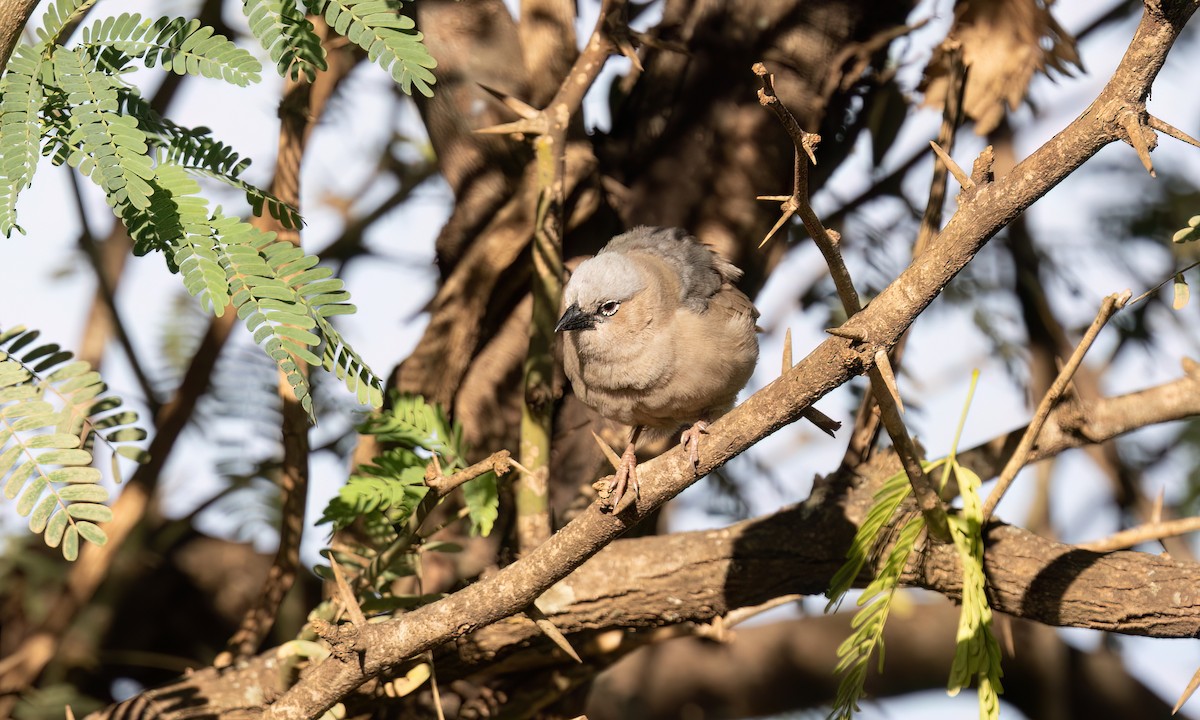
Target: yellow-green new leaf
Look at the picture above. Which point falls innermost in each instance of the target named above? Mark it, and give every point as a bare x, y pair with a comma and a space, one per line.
90, 511
70, 544
91, 532
1182, 294
41, 514
83, 493
75, 475
53, 534
62, 441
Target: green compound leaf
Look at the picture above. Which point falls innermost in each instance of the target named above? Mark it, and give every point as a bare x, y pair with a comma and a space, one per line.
387, 486
52, 410
185, 47
288, 37
482, 497
20, 130
875, 603
976, 654
390, 39
281, 298
106, 146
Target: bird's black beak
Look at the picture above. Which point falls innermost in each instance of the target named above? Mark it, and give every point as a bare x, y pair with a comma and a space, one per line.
575, 319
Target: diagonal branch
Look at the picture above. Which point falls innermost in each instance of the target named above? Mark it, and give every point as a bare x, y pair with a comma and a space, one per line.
883, 383
1110, 306
13, 16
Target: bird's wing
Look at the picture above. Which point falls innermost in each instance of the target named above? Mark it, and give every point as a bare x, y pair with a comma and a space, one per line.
701, 271
733, 302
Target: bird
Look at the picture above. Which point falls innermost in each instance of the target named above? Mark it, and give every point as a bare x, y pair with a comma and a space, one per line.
657, 337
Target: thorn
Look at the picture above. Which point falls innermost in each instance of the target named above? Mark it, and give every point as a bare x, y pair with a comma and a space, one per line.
809, 143
608, 452
889, 378
787, 351
522, 468
1169, 129
787, 214
1137, 138
550, 630
1187, 692
629, 52
847, 333
1156, 511
775, 198
963, 179
535, 126
520, 107
346, 595
823, 422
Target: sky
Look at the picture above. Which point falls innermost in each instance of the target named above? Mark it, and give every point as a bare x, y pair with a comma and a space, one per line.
54, 288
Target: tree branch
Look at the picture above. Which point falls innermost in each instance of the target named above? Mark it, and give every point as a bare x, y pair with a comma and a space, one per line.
13, 16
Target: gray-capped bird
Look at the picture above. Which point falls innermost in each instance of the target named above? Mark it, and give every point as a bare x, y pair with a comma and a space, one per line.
657, 336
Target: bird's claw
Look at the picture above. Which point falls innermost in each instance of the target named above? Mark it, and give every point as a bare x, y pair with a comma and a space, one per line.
625, 479
691, 440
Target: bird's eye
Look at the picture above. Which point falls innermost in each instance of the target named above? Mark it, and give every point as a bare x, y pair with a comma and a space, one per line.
610, 308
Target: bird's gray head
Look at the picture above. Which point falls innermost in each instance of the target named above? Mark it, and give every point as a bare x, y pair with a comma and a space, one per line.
597, 289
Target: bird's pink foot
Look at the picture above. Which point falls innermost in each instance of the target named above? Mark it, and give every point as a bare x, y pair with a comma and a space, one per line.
626, 477
691, 439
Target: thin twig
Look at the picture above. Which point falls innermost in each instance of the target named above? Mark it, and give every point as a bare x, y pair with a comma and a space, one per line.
345, 594
499, 462
1108, 308
1144, 533
1137, 138
433, 685
1158, 287
827, 242
867, 420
